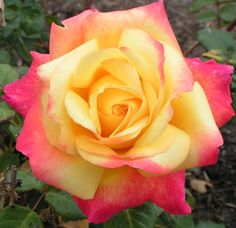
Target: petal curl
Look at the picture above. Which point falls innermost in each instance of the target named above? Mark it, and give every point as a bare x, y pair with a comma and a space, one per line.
21, 93
53, 166
106, 27
78, 110
215, 80
161, 156
125, 188
151, 50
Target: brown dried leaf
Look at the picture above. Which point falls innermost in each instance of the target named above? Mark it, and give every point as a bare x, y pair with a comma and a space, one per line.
76, 224
200, 185
2, 18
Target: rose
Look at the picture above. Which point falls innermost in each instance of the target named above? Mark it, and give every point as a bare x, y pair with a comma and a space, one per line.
114, 114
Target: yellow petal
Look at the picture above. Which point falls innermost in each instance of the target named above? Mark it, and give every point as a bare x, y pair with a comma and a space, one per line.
178, 77
98, 88
45, 71
84, 75
152, 52
169, 151
157, 126
151, 98
78, 110
124, 72
193, 115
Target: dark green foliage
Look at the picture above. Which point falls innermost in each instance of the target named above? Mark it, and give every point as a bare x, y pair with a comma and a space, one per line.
24, 31
29, 182
228, 12
63, 204
7, 159
20, 217
209, 224
7, 74
139, 217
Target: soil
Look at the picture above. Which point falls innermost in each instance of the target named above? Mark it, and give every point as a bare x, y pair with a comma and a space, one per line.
218, 203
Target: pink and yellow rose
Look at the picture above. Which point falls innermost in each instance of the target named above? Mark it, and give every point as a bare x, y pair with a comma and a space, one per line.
114, 113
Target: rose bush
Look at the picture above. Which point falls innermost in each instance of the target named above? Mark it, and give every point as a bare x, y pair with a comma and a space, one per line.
114, 113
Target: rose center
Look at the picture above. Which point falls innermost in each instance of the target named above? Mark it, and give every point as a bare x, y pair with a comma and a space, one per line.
119, 109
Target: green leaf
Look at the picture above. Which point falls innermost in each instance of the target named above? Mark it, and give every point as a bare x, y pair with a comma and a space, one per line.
15, 130
232, 59
29, 182
64, 205
7, 74
8, 159
22, 70
33, 24
20, 217
190, 199
198, 4
139, 217
212, 38
183, 221
228, 12
209, 224
23, 50
4, 57
207, 16
5, 112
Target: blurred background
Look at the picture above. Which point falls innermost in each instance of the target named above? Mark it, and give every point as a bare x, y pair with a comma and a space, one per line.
204, 28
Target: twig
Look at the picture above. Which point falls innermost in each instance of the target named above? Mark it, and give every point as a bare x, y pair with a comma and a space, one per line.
38, 201
231, 26
192, 48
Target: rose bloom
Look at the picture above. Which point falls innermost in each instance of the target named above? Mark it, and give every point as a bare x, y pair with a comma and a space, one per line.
114, 113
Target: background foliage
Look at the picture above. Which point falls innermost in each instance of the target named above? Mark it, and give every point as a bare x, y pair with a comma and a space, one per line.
28, 202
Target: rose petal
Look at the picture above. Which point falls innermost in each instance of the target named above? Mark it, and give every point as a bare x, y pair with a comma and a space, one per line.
151, 97
46, 70
60, 78
215, 80
125, 188
65, 39
106, 27
98, 88
158, 124
56, 167
178, 77
151, 50
21, 93
161, 156
84, 75
124, 72
78, 110
199, 124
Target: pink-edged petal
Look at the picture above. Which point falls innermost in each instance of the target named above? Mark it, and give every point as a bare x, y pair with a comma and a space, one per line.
215, 80
125, 188
150, 50
53, 166
65, 39
178, 76
106, 27
193, 115
161, 156
21, 93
